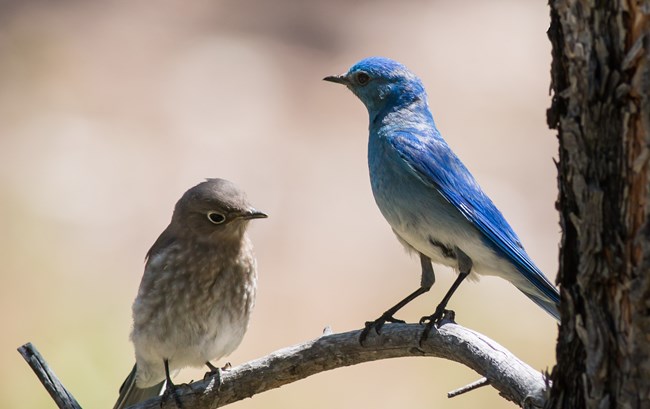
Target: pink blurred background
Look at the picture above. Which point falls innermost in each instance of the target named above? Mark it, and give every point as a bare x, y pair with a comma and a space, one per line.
110, 110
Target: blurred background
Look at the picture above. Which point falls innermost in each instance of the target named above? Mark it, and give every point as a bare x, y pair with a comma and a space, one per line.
110, 110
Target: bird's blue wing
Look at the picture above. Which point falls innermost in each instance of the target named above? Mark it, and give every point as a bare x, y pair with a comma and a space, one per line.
436, 165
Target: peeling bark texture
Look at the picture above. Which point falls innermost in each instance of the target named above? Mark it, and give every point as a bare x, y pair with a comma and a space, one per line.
601, 109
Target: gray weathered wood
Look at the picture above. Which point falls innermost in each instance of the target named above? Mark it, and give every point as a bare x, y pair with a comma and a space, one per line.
515, 380
63, 398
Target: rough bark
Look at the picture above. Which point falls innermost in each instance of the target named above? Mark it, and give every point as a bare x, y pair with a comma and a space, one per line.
601, 109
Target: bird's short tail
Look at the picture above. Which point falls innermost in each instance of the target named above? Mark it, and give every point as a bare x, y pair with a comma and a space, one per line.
131, 394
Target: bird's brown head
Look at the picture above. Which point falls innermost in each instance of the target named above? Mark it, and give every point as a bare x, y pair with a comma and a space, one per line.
213, 208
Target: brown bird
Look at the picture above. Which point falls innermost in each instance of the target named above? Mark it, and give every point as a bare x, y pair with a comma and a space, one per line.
197, 291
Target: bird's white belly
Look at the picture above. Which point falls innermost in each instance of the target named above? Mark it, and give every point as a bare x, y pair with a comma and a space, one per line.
187, 347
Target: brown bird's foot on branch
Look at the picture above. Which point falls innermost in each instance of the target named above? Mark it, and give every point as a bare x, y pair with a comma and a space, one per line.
377, 325
170, 392
440, 317
216, 372
170, 389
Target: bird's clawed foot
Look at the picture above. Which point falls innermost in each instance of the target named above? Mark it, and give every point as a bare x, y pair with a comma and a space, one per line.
170, 388
170, 392
377, 325
216, 372
439, 317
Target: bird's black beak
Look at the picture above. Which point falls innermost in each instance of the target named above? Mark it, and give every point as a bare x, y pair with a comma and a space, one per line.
339, 79
253, 214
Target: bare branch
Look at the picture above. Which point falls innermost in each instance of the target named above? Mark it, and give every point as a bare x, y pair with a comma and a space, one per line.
468, 388
515, 380
63, 398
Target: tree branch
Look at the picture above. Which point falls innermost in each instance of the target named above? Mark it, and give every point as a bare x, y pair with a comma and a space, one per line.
58, 392
515, 380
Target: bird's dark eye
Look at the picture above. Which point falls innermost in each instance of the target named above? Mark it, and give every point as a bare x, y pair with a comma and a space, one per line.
216, 218
362, 78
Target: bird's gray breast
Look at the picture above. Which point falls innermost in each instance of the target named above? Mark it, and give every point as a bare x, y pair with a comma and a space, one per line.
199, 293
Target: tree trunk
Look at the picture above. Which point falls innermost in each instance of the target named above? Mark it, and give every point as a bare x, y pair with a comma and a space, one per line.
601, 109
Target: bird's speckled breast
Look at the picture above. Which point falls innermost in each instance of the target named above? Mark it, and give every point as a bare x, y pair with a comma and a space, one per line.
196, 311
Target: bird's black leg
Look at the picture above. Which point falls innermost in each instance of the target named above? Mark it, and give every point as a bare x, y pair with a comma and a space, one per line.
216, 371
464, 268
171, 388
427, 280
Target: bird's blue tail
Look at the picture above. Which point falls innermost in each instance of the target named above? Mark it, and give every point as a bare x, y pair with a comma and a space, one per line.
539, 289
550, 306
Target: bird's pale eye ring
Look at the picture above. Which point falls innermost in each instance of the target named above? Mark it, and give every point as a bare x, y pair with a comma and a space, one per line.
216, 217
362, 78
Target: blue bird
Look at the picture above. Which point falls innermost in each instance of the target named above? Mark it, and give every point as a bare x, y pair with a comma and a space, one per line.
432, 202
